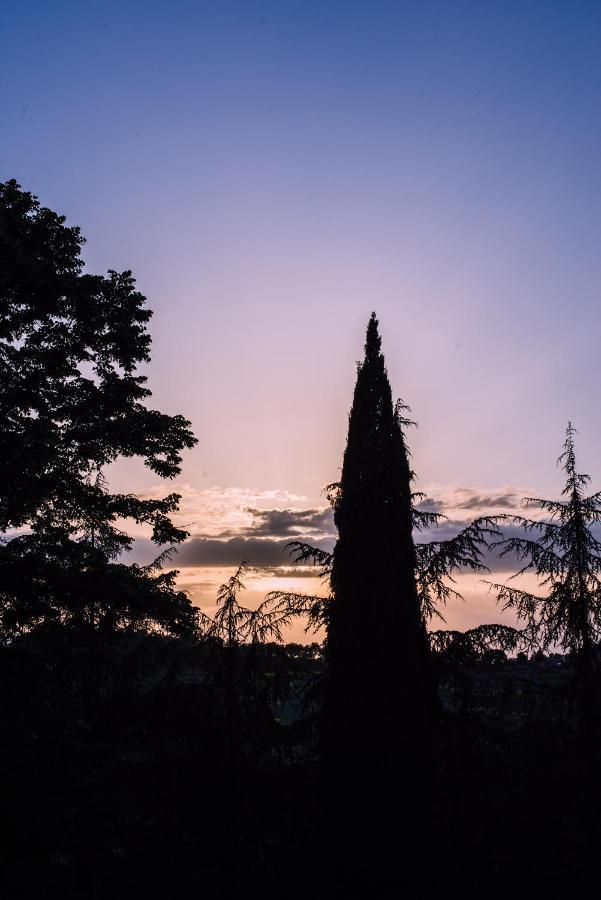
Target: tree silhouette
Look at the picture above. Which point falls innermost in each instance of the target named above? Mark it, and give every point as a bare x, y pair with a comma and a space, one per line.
234, 624
439, 561
377, 715
373, 575
248, 672
71, 402
565, 555
469, 647
436, 562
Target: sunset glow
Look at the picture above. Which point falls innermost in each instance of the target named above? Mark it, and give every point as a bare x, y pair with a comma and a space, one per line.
285, 179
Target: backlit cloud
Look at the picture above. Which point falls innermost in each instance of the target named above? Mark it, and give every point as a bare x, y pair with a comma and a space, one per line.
259, 552
224, 511
292, 522
465, 502
228, 525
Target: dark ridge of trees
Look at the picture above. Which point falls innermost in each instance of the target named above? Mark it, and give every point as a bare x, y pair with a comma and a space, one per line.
148, 747
71, 402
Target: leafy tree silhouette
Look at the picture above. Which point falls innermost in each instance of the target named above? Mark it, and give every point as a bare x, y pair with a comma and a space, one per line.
71, 402
468, 648
565, 555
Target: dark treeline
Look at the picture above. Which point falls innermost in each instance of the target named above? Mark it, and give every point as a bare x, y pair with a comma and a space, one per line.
148, 747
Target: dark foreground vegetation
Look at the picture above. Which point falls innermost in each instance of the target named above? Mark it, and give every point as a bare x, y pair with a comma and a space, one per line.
146, 747
126, 766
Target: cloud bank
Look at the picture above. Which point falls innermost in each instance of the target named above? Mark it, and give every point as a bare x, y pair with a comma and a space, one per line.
228, 525
264, 553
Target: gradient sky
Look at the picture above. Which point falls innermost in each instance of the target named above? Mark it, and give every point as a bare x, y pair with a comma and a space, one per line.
273, 171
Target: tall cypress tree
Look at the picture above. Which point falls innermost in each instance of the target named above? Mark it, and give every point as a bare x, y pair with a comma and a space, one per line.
379, 696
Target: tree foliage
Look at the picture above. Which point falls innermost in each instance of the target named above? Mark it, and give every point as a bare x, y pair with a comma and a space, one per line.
436, 564
564, 554
439, 561
476, 644
374, 612
234, 624
72, 401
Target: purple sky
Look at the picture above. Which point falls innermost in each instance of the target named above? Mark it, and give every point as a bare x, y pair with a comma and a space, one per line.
272, 172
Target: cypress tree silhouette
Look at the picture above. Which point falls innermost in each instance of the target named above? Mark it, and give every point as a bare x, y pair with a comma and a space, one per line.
376, 715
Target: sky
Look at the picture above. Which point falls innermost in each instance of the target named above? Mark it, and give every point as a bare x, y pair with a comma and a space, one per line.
272, 172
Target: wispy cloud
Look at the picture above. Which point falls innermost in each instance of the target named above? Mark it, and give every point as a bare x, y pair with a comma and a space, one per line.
464, 502
294, 572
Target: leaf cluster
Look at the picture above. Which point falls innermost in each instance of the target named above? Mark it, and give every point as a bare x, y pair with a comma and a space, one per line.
72, 401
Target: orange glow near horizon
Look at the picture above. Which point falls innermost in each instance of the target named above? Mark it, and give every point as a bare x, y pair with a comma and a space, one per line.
478, 607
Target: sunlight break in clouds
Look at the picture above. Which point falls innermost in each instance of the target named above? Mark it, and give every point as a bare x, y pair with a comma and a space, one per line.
223, 512
231, 524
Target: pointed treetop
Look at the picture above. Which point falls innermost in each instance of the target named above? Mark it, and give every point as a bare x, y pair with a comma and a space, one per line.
567, 461
568, 458
373, 340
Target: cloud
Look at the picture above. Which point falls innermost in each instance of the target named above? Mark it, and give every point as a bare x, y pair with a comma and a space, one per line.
223, 512
229, 525
279, 523
491, 501
294, 572
430, 505
441, 498
259, 552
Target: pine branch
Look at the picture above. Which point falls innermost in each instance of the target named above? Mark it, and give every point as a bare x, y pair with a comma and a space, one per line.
302, 553
423, 518
540, 556
439, 561
289, 605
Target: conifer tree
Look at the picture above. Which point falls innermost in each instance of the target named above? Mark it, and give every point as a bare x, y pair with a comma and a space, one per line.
435, 561
565, 555
379, 693
379, 707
